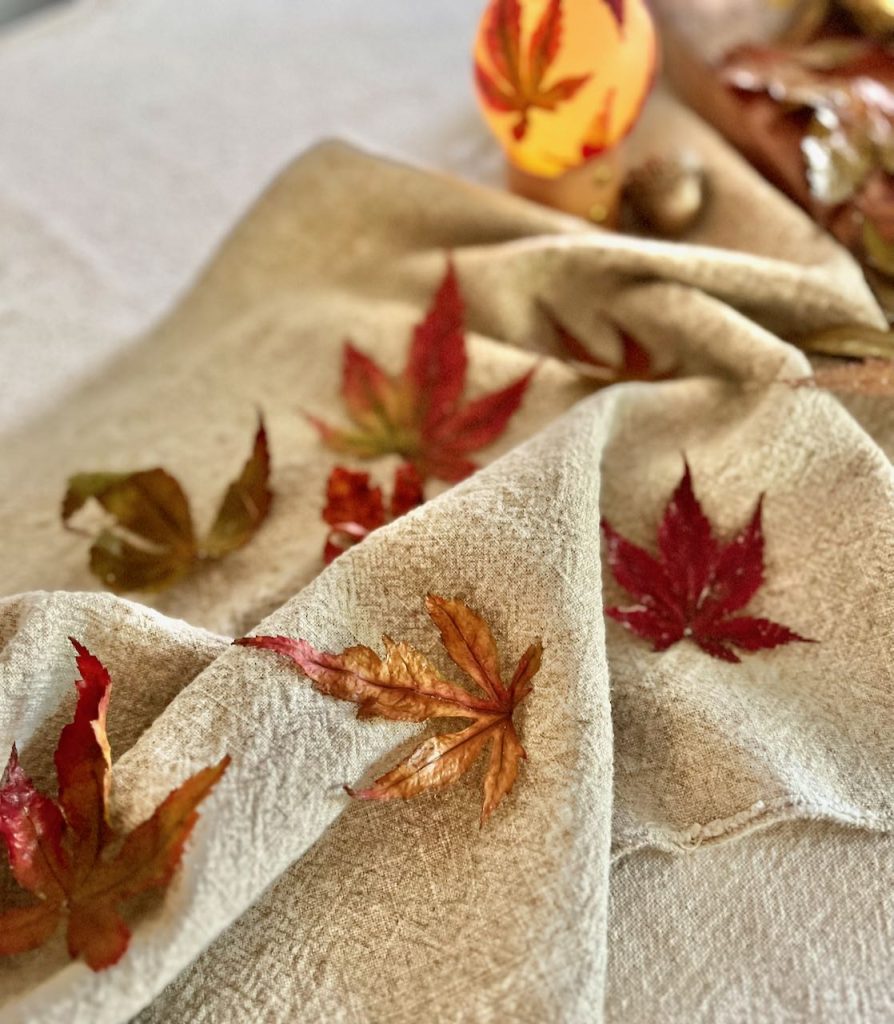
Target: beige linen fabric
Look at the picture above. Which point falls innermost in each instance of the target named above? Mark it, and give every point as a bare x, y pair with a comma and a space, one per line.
795, 923
388, 913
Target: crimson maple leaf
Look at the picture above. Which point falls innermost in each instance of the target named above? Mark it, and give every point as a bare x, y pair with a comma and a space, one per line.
405, 686
354, 508
66, 853
418, 413
696, 583
516, 85
636, 360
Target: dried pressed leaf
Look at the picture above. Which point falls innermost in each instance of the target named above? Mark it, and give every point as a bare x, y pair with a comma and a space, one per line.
846, 86
354, 507
695, 584
66, 853
245, 505
151, 542
636, 360
406, 686
419, 414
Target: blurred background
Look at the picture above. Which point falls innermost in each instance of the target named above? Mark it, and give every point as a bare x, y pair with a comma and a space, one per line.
135, 133
10, 9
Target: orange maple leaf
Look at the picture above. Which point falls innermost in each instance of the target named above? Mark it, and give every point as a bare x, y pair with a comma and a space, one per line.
406, 686
516, 82
65, 851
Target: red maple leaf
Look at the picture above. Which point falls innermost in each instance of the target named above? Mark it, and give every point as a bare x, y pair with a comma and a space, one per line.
65, 851
696, 583
636, 360
419, 413
354, 507
516, 83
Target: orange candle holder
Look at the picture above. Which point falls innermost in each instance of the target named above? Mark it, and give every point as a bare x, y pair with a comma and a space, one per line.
560, 83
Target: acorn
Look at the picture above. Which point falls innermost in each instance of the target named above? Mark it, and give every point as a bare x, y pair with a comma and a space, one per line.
666, 194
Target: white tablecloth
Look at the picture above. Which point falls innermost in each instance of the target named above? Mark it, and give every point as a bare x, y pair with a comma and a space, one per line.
133, 133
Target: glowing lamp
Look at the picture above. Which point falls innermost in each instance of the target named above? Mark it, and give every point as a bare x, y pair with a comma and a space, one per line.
561, 82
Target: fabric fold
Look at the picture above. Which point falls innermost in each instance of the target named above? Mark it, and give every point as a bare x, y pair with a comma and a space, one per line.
294, 903
293, 749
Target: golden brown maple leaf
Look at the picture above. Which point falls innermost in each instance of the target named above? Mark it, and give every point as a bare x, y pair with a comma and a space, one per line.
66, 853
406, 686
151, 541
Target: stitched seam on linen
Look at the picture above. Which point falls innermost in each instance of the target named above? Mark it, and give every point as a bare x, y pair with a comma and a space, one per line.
761, 814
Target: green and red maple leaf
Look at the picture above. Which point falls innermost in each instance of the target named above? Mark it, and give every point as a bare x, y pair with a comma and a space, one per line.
696, 584
405, 686
65, 851
516, 81
419, 413
150, 541
355, 507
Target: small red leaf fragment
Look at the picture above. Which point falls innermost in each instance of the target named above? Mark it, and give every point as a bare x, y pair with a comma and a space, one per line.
32, 827
419, 413
354, 507
404, 685
407, 493
65, 852
696, 583
350, 498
